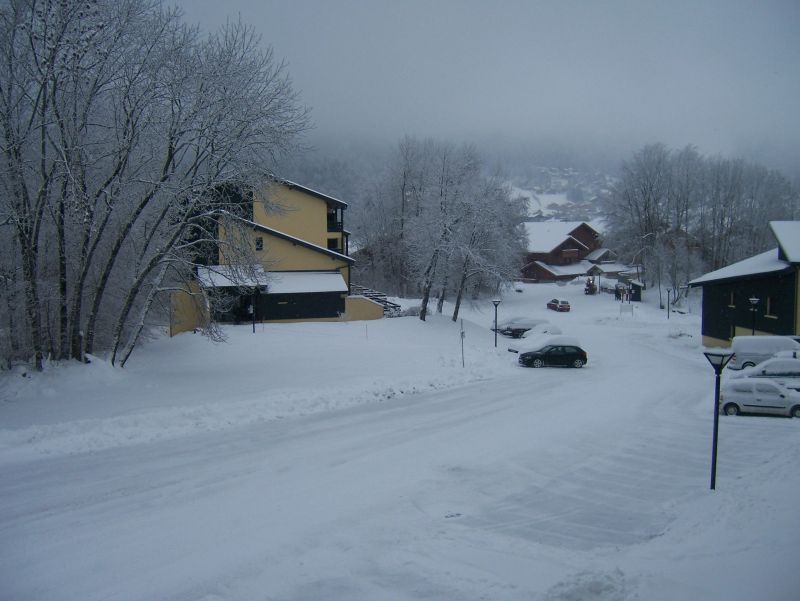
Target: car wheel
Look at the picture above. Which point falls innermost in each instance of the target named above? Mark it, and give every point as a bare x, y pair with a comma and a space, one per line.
795, 412
748, 364
731, 409
537, 363
577, 363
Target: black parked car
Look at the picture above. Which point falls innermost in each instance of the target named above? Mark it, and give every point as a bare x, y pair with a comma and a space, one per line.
554, 355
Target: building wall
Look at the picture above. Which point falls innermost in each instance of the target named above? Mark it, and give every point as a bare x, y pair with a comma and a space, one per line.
303, 216
283, 255
315, 305
361, 308
726, 310
587, 236
187, 311
796, 326
348, 308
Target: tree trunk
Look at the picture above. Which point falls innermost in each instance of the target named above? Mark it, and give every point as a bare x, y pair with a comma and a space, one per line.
442, 295
134, 337
63, 308
430, 273
112, 258
461, 285
32, 300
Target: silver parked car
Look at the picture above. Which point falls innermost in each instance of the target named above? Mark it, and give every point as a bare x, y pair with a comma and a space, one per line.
758, 395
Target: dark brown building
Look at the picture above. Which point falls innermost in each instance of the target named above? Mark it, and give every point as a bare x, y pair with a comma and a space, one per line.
557, 250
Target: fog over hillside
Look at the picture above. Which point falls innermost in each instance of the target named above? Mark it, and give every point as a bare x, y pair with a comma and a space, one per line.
562, 84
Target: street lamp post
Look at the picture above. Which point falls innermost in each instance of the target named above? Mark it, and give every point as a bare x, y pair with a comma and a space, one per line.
718, 360
254, 305
669, 290
753, 308
495, 302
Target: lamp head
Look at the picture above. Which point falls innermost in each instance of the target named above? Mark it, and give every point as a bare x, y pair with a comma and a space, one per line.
753, 300
718, 359
496, 302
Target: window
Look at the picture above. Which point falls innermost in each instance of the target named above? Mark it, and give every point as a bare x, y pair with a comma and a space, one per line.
333, 244
769, 309
732, 299
259, 243
765, 390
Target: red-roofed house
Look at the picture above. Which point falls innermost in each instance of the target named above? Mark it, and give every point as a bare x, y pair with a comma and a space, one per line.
558, 250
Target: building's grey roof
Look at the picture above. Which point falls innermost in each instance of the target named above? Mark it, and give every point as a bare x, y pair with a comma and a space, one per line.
575, 269
765, 263
597, 254
787, 233
611, 267
275, 282
329, 199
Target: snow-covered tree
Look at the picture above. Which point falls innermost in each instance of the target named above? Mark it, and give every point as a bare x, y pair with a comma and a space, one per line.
117, 119
435, 221
680, 213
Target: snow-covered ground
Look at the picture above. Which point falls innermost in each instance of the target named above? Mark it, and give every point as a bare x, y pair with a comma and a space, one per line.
361, 461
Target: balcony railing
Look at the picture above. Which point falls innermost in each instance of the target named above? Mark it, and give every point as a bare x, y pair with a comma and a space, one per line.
334, 225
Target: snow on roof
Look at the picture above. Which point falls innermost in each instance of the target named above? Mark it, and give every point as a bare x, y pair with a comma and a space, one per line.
575, 269
788, 235
306, 281
226, 276
611, 267
544, 236
597, 253
326, 197
766, 262
276, 282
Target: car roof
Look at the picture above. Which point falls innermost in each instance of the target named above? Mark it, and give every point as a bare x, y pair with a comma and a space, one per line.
788, 361
750, 382
522, 321
784, 363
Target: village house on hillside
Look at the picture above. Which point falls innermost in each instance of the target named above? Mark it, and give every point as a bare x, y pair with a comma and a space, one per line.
305, 266
557, 249
758, 295
563, 250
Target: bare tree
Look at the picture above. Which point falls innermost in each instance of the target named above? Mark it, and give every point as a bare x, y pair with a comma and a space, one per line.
680, 213
116, 119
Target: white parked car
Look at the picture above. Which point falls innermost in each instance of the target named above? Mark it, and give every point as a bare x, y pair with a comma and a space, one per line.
517, 326
758, 395
542, 328
752, 350
783, 371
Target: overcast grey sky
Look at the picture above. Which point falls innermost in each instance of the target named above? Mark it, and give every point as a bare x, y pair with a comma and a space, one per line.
722, 74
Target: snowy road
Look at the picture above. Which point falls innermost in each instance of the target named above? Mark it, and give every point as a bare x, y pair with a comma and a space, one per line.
545, 484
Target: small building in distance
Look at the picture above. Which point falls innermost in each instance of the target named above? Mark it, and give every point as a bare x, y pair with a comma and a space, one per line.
559, 250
